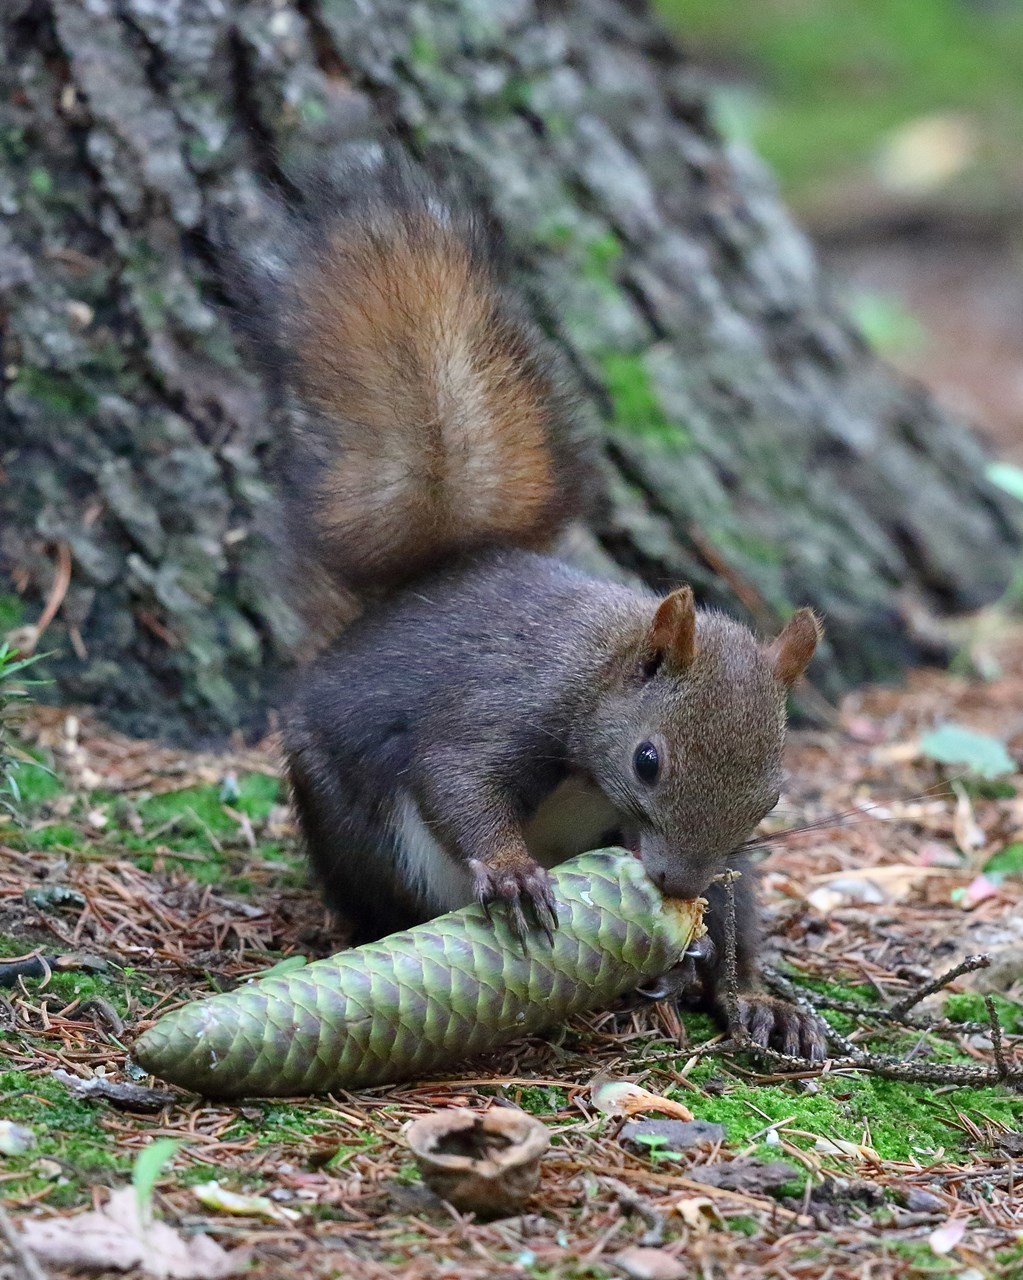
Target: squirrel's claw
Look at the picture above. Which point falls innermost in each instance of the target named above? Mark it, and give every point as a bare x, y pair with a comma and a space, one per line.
685, 980
529, 884
776, 1024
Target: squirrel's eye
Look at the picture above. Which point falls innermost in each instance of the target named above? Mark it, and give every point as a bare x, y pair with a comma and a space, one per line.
646, 762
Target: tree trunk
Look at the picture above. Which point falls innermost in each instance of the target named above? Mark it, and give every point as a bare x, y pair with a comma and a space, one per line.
754, 445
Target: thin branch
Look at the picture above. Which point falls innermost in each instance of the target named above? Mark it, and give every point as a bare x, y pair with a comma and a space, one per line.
739, 1036
969, 965
997, 1044
852, 1057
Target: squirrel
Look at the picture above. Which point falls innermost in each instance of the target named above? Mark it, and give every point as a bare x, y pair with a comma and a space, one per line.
492, 710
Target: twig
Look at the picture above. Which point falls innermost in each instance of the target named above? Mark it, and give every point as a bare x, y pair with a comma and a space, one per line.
969, 965
997, 1046
739, 1036
887, 1066
792, 993
28, 637
23, 1256
630, 1199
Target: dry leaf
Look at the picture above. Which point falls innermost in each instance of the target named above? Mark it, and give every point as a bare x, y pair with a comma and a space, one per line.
891, 883
847, 1150
621, 1098
697, 1212
650, 1264
116, 1238
214, 1196
968, 835
947, 1236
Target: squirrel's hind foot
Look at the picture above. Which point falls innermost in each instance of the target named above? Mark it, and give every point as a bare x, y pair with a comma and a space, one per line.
776, 1024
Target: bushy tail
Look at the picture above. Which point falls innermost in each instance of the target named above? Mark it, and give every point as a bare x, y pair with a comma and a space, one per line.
433, 421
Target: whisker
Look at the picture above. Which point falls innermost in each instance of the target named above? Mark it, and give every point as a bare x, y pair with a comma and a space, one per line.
849, 817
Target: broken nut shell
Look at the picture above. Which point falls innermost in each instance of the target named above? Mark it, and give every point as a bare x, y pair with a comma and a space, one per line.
486, 1163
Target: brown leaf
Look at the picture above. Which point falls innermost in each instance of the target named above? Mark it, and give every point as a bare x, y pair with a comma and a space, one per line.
116, 1238
650, 1264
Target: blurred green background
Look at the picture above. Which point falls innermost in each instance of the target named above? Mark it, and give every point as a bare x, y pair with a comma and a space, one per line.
825, 90
895, 130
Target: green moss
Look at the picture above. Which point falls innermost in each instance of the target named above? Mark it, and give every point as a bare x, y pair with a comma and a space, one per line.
193, 821
40, 182
887, 324
281, 1123
56, 835
195, 812
55, 393
903, 1122
12, 613
423, 52
634, 402
699, 1026
199, 150
68, 1130
968, 1006
747, 546
313, 111
602, 252
14, 143
542, 1100
63, 988
1010, 1260
922, 1261
747, 1109
36, 785
257, 795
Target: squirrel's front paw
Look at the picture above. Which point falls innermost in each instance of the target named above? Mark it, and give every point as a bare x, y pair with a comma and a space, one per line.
776, 1024
515, 881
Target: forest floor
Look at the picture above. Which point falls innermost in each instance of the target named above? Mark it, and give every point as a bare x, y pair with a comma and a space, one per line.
162, 875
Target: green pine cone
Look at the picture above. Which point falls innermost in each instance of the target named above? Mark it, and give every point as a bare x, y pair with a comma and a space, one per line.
421, 1000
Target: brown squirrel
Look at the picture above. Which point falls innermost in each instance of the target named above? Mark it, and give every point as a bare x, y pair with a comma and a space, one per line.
492, 711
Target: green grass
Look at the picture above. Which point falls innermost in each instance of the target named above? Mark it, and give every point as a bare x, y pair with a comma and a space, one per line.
37, 784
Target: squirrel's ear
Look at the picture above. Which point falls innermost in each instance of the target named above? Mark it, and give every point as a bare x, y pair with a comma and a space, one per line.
790, 654
671, 642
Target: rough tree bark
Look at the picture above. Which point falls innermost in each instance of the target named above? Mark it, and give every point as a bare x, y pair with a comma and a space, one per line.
754, 445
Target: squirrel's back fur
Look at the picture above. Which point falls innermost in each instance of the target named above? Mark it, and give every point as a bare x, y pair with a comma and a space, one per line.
432, 417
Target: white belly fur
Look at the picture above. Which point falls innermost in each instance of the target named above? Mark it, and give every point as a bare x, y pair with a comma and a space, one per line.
441, 883
571, 820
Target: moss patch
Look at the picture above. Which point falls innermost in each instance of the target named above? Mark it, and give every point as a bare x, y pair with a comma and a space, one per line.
634, 401
12, 613
68, 1131
968, 1006
900, 1121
